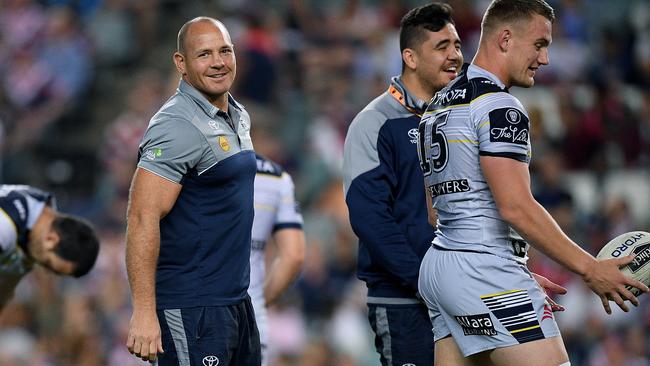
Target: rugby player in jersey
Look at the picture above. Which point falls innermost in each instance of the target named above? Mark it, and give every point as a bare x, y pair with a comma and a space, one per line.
474, 150
33, 232
277, 238
382, 176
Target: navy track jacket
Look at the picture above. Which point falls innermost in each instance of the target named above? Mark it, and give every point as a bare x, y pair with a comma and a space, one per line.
384, 191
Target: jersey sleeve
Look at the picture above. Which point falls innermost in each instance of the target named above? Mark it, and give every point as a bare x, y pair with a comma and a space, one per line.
170, 148
288, 214
503, 128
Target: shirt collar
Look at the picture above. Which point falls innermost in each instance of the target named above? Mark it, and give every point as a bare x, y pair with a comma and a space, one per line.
208, 108
477, 71
410, 101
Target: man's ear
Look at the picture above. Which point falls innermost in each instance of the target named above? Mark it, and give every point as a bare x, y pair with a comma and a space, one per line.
51, 240
410, 58
179, 61
504, 38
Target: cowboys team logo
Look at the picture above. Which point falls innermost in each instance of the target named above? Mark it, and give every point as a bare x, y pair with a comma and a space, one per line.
223, 142
513, 116
210, 360
413, 135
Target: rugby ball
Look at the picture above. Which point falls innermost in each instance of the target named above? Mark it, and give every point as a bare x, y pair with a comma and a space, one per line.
634, 242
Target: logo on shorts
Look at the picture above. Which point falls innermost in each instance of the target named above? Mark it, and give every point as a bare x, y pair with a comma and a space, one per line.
413, 135
479, 324
210, 360
223, 142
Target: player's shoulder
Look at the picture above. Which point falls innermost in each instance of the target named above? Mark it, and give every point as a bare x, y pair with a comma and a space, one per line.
172, 126
374, 115
25, 191
266, 166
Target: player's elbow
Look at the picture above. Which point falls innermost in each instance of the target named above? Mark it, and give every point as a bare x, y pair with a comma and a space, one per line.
514, 212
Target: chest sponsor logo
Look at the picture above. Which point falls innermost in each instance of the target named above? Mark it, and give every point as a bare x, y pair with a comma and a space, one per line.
223, 142
479, 324
444, 98
210, 361
509, 125
213, 125
450, 186
413, 135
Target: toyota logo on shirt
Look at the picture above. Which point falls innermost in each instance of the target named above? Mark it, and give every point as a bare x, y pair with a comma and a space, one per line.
413, 135
210, 360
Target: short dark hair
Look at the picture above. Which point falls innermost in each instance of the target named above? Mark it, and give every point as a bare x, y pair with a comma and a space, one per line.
78, 243
431, 17
505, 11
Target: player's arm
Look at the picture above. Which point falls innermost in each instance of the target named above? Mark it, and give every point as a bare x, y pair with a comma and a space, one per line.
286, 264
370, 176
432, 213
150, 199
509, 182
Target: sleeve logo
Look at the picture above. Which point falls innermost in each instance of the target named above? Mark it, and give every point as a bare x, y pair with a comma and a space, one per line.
509, 125
513, 116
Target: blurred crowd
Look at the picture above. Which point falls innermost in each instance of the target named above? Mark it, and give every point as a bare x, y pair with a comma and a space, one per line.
79, 81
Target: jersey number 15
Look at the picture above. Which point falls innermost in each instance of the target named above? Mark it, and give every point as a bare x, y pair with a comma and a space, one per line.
433, 158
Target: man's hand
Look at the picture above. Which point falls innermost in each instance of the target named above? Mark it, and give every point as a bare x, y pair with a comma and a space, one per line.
548, 285
608, 282
144, 340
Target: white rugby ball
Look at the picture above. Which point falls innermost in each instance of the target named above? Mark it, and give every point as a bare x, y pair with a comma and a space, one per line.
634, 242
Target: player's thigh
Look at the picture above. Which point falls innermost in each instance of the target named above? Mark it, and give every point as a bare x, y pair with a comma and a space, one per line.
403, 334
542, 352
448, 354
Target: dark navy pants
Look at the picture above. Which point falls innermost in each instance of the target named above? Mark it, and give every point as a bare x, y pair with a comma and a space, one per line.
214, 335
403, 334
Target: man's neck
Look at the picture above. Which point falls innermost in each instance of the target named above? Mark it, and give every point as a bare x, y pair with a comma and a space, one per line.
220, 102
486, 61
415, 87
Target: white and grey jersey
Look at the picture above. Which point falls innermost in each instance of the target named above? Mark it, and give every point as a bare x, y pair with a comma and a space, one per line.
20, 207
473, 116
275, 209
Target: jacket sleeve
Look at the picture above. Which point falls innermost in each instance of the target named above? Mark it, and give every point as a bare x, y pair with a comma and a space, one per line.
370, 180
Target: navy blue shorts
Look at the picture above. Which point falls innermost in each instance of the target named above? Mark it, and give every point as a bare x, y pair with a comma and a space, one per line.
403, 334
214, 335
